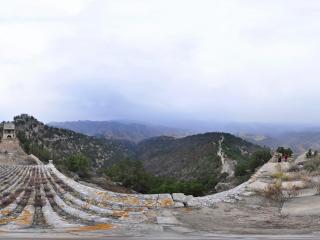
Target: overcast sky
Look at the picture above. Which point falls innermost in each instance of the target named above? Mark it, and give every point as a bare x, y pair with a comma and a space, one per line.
161, 60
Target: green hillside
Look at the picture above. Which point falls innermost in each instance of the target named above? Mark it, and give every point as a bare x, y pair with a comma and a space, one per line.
165, 164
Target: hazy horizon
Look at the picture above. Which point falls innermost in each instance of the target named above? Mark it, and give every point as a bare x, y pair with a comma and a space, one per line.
173, 63
194, 127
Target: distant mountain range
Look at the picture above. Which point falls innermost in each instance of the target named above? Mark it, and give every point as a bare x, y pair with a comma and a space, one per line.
134, 132
299, 141
298, 137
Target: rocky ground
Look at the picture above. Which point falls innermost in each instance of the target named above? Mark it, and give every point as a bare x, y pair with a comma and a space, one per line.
251, 215
12, 154
278, 199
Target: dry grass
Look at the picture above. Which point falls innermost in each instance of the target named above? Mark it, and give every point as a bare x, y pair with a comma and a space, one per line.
313, 165
281, 176
316, 185
274, 192
318, 188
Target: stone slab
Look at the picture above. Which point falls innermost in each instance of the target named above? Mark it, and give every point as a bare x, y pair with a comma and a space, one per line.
302, 206
180, 197
167, 220
291, 185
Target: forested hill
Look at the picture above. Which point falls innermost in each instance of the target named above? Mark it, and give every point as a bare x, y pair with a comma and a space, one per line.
198, 164
193, 158
59, 144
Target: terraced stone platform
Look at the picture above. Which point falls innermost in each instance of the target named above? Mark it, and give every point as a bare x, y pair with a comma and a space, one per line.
40, 196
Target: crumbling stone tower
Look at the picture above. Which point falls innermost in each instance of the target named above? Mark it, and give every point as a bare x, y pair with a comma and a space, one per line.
9, 131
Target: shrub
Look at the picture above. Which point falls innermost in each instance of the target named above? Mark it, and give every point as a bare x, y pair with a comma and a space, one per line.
133, 175
79, 164
247, 167
259, 158
33, 148
311, 154
42, 153
24, 141
273, 191
312, 165
281, 176
285, 151
242, 168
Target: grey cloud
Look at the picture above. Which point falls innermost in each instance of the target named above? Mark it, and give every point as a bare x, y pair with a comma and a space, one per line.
251, 61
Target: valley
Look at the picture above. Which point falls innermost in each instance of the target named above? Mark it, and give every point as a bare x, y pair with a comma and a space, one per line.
187, 164
37, 198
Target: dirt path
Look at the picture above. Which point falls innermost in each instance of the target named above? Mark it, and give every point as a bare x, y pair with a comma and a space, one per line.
227, 164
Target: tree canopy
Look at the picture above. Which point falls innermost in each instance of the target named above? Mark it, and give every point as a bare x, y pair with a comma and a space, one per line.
285, 151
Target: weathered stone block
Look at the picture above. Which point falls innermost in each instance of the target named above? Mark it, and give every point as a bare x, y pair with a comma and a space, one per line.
165, 200
293, 185
180, 197
194, 202
167, 220
178, 205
